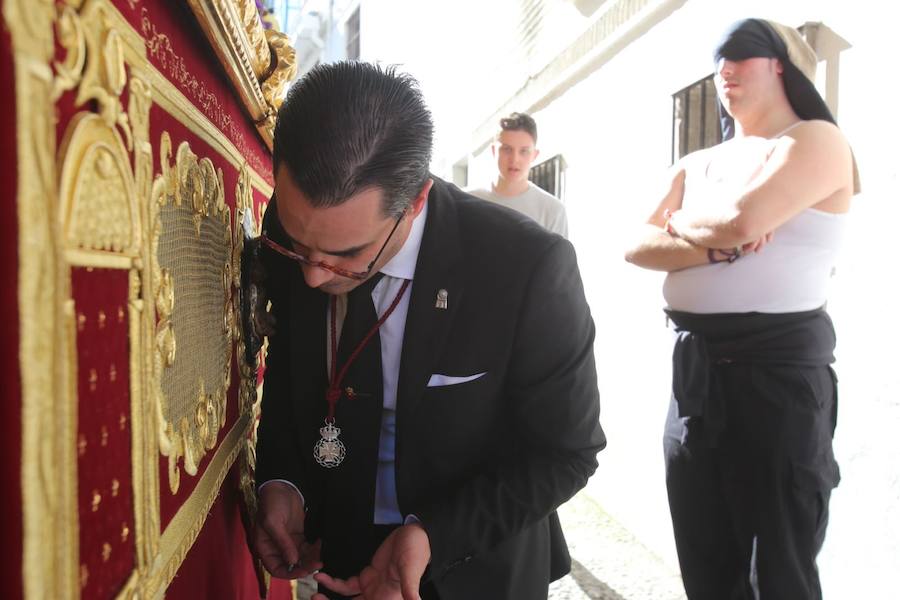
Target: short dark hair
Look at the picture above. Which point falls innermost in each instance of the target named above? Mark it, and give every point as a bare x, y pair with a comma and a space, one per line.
519, 122
349, 126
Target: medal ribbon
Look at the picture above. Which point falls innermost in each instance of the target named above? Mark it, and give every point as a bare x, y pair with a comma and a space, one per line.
333, 394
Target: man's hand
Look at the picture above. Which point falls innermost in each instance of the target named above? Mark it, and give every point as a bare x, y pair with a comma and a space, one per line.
395, 572
758, 244
278, 538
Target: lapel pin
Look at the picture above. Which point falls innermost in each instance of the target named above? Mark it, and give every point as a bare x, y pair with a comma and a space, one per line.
441, 301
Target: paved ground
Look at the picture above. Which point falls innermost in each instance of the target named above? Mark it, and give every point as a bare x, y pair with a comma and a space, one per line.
608, 563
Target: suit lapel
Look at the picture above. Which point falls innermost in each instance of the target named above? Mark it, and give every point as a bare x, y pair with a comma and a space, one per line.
437, 268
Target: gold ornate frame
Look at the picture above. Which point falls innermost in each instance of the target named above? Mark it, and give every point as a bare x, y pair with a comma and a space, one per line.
258, 61
69, 216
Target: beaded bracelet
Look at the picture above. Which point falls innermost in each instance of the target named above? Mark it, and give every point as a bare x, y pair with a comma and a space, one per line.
729, 255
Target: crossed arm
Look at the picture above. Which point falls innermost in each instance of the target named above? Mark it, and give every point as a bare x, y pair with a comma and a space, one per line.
810, 167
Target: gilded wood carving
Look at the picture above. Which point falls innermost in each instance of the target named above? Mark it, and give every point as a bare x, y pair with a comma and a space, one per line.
95, 201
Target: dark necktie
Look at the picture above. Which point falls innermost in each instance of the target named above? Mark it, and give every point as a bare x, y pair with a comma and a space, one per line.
364, 374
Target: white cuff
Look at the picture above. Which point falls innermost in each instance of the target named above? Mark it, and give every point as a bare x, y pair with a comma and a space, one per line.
285, 481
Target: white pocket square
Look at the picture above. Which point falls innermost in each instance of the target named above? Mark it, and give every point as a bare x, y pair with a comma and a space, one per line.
438, 380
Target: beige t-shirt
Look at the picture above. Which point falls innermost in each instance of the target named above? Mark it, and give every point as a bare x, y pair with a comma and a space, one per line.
534, 202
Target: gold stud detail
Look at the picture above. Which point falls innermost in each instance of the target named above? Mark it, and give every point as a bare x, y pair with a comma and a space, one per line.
81, 321
84, 576
95, 501
115, 488
107, 550
121, 314
113, 374
125, 532
92, 379
122, 421
104, 436
101, 319
82, 444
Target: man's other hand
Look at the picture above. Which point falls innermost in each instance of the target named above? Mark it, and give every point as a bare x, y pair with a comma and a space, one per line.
395, 572
278, 538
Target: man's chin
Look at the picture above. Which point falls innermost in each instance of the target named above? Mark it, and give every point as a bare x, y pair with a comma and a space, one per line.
336, 289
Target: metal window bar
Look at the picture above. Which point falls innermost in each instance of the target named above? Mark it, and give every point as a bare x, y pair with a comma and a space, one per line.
550, 176
695, 119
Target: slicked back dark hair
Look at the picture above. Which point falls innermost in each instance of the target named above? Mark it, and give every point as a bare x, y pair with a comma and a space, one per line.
349, 126
520, 122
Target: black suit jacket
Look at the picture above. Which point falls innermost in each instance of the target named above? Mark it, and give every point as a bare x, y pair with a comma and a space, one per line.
483, 464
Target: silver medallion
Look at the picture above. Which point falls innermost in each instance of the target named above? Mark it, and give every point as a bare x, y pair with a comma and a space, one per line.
329, 451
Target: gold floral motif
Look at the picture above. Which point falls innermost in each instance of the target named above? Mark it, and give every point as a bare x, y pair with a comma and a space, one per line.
283, 71
247, 393
95, 61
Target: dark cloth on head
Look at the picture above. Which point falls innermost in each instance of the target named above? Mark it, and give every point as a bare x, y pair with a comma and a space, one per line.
756, 38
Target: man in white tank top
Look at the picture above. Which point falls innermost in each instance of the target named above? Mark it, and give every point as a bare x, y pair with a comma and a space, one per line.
748, 231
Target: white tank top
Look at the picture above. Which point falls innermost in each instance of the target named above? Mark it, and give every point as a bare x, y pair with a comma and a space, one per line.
791, 274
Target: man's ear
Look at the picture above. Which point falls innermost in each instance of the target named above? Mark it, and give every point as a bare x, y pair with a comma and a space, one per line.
536, 153
779, 66
418, 202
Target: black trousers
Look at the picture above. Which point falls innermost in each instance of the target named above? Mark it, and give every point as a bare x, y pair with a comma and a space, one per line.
750, 507
377, 535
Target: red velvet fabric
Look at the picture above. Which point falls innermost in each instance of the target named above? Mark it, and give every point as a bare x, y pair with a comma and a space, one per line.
177, 46
219, 565
10, 406
105, 499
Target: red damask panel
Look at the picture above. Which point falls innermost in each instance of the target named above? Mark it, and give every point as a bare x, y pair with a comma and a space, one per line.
219, 564
105, 499
177, 47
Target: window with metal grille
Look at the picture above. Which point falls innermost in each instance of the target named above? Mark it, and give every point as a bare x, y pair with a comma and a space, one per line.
550, 176
353, 36
695, 118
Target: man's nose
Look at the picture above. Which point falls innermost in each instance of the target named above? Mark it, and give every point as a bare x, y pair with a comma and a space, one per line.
726, 67
316, 276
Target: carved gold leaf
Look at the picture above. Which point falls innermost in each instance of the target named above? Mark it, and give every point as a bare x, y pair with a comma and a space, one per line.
97, 189
259, 62
253, 29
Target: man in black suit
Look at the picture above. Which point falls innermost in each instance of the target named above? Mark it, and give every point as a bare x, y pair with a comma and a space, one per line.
425, 453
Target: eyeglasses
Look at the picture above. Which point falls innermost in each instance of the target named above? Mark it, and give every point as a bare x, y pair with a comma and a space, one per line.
305, 260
